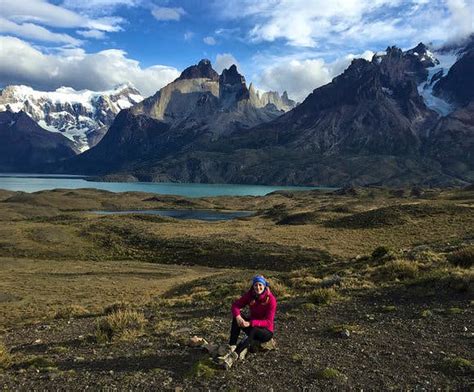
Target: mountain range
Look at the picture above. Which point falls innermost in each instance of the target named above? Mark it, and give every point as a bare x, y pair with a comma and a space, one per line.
81, 116
404, 117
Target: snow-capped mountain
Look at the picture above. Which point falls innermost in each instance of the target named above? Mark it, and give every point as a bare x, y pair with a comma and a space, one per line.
82, 116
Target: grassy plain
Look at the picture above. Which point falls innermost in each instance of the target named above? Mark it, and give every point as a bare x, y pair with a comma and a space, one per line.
375, 285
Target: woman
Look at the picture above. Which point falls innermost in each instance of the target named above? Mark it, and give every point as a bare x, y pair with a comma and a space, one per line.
258, 327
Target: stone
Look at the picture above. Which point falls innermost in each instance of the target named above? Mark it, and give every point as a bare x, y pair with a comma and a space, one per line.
197, 341
345, 334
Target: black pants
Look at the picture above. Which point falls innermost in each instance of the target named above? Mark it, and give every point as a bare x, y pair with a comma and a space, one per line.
255, 334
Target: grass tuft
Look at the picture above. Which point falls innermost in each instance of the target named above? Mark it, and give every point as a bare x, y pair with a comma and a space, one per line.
399, 269
323, 296
204, 368
330, 374
121, 325
5, 357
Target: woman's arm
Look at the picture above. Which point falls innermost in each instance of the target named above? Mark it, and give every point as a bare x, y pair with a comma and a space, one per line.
269, 317
240, 303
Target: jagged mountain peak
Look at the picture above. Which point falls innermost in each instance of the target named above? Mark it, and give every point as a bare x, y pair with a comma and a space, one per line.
202, 70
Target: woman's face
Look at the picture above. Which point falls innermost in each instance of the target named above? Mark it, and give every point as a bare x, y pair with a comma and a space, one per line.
258, 288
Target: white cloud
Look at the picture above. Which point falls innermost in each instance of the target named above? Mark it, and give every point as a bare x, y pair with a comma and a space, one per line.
40, 12
20, 63
462, 16
99, 5
300, 77
168, 13
225, 60
209, 40
96, 34
315, 23
32, 31
188, 35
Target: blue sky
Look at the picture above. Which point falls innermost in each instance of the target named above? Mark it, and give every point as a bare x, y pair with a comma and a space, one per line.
294, 45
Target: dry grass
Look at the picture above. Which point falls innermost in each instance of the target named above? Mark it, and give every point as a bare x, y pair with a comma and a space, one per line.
71, 311
398, 269
5, 357
40, 289
120, 325
463, 257
323, 296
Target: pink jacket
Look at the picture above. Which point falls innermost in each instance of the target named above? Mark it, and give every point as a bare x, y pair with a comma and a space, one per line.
262, 310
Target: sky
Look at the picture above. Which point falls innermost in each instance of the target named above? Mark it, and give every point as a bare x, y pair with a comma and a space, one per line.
292, 45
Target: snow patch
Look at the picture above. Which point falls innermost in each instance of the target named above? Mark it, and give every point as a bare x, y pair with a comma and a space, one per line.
425, 89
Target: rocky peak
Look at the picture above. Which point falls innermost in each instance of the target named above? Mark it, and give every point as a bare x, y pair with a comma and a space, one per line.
231, 76
202, 70
232, 86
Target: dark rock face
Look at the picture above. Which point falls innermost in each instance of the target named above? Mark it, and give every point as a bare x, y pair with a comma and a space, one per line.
202, 70
458, 85
26, 146
368, 126
232, 86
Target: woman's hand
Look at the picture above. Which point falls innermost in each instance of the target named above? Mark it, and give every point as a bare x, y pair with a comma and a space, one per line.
240, 320
245, 324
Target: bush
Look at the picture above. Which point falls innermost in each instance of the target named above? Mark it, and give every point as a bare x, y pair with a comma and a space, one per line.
323, 296
5, 357
463, 257
121, 325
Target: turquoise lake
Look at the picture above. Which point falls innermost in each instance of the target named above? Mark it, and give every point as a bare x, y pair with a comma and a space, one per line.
39, 182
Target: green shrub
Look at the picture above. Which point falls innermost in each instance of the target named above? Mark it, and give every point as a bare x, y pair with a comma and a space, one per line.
330, 374
426, 313
463, 257
120, 325
204, 368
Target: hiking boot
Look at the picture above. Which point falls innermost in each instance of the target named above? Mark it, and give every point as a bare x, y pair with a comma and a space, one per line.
243, 354
228, 360
270, 345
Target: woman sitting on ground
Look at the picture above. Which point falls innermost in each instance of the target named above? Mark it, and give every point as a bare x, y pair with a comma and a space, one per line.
258, 327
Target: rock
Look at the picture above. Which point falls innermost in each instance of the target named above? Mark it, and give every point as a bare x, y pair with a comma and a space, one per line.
345, 333
197, 341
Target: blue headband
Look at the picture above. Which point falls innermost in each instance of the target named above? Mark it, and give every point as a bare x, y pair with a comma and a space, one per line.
260, 279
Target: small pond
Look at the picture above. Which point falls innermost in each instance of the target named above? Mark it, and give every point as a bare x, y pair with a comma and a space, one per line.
206, 215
